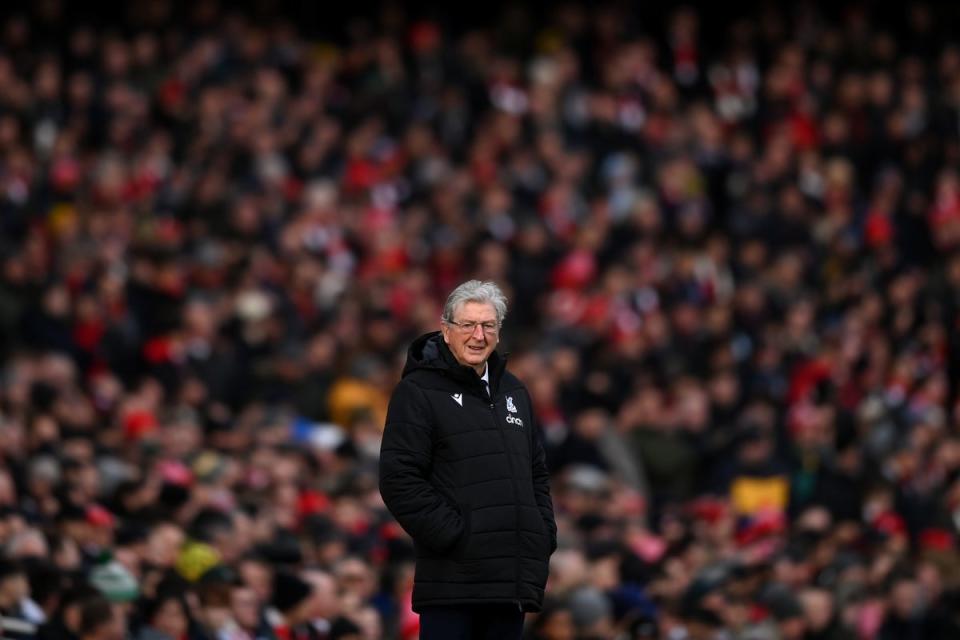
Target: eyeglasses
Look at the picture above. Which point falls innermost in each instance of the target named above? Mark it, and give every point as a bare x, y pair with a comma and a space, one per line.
489, 328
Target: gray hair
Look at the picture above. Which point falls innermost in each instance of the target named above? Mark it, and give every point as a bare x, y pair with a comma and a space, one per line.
476, 291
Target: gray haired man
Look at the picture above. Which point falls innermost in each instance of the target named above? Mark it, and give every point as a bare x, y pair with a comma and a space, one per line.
462, 470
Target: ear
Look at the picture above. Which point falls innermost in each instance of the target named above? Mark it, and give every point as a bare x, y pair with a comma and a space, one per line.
445, 332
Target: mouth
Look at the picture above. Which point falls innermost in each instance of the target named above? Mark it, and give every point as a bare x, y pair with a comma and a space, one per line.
477, 349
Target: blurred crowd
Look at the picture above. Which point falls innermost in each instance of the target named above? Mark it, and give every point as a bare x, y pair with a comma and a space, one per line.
731, 246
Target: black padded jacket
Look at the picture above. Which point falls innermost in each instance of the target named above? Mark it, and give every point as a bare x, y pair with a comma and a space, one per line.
463, 472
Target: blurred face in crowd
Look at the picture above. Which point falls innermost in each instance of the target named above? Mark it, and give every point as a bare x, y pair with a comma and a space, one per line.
84, 481
8, 493
170, 618
10, 524
29, 543
792, 628
817, 608
227, 544
163, 544
257, 576
355, 577
323, 601
368, 619
473, 334
568, 569
557, 626
66, 554
905, 599
13, 589
216, 616
245, 607
113, 628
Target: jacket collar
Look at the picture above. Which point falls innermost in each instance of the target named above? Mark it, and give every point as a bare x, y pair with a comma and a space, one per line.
429, 351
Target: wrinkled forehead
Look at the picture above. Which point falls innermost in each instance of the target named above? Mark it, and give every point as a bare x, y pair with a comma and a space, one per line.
473, 310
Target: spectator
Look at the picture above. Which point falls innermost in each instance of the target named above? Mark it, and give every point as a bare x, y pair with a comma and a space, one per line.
100, 620
164, 618
65, 622
554, 622
303, 607
20, 615
731, 236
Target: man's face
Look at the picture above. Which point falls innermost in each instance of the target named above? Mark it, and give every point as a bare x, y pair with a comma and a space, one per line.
472, 347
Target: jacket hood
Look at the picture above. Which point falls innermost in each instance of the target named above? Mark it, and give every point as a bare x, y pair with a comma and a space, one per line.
425, 353
429, 351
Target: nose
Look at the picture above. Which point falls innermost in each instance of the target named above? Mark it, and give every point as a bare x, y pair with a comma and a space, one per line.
478, 329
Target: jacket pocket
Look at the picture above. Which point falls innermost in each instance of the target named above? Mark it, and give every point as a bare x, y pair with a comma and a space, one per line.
550, 538
460, 547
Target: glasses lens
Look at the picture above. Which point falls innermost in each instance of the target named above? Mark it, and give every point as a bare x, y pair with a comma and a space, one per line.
470, 327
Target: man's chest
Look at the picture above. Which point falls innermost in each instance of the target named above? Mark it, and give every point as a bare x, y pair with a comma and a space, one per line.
468, 423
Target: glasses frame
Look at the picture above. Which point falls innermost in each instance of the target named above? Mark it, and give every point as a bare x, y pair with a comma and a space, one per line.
469, 328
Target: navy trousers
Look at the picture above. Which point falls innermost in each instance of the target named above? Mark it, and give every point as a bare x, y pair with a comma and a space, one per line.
479, 622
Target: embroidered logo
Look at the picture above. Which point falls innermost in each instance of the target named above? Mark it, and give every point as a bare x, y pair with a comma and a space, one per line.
458, 398
514, 420
512, 408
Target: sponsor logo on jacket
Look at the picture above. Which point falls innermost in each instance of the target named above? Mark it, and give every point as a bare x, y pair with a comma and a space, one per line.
512, 408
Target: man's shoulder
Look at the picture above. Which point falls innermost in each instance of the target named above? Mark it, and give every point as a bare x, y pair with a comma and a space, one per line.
428, 380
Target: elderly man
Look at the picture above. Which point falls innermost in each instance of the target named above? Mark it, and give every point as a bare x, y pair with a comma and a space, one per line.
462, 470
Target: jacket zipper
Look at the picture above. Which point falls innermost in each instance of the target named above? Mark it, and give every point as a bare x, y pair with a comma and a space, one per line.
516, 501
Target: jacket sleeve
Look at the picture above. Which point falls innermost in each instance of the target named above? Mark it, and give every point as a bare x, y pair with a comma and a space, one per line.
541, 478
405, 463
